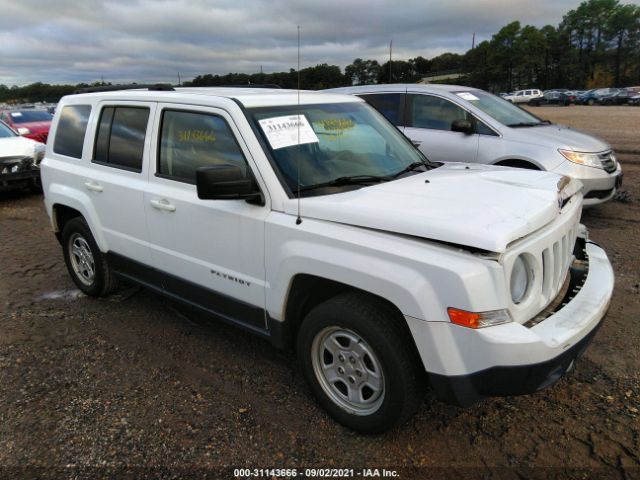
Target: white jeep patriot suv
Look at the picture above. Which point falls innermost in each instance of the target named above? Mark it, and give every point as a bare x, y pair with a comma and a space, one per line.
309, 219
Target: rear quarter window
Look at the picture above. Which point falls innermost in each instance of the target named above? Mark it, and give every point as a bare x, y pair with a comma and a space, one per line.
71, 130
120, 137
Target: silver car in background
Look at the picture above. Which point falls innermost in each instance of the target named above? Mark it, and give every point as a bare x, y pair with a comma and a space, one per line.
459, 124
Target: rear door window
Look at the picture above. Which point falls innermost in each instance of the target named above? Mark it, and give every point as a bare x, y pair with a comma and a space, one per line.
71, 130
120, 137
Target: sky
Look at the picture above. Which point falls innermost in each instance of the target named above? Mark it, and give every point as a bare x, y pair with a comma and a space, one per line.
73, 41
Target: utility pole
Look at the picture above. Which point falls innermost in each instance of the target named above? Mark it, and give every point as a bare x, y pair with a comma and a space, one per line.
179, 81
390, 50
473, 41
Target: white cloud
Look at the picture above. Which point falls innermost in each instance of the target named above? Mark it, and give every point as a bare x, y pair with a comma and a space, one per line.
65, 41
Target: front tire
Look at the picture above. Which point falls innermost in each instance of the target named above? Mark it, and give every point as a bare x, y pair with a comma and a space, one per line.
361, 363
87, 265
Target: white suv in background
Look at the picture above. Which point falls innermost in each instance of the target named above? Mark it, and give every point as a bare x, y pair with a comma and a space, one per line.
451, 123
310, 220
523, 96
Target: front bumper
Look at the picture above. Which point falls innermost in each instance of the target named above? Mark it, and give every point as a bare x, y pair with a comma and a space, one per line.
19, 178
466, 365
599, 185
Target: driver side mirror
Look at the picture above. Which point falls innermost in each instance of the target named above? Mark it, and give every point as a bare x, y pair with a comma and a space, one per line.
226, 182
463, 126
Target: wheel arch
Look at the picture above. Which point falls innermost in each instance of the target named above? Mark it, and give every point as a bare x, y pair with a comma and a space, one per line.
306, 291
67, 204
519, 163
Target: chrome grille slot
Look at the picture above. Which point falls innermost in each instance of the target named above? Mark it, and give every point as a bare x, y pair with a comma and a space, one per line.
547, 273
608, 163
556, 263
564, 254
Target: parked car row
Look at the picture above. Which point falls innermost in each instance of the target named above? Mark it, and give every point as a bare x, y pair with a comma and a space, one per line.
23, 134
565, 97
609, 96
19, 160
33, 123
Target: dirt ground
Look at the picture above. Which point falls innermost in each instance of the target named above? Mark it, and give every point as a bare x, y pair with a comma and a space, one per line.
620, 126
133, 384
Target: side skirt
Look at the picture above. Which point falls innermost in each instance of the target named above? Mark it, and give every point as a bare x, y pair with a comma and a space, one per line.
214, 304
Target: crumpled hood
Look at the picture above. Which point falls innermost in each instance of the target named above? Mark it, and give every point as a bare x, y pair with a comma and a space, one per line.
477, 206
561, 136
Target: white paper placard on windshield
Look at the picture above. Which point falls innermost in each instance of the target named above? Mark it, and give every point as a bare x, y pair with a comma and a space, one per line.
283, 131
467, 96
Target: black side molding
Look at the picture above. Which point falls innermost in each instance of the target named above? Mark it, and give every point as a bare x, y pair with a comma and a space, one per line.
212, 303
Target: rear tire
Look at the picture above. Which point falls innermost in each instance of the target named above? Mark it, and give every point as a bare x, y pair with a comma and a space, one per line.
360, 363
87, 265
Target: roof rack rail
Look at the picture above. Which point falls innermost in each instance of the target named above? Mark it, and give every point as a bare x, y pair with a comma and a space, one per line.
161, 87
250, 85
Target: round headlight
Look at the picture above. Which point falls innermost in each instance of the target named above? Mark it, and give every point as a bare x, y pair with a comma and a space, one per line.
519, 282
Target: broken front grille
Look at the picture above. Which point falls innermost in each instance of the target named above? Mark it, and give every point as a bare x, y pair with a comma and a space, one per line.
572, 283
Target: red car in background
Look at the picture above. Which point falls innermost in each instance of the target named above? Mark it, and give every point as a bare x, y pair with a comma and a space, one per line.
30, 123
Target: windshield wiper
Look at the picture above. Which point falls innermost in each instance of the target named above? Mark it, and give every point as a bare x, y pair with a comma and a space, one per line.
410, 167
351, 180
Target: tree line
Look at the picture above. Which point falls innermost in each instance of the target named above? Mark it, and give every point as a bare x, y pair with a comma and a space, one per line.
596, 45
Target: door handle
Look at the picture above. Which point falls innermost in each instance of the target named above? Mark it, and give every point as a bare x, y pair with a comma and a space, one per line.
416, 143
163, 205
93, 186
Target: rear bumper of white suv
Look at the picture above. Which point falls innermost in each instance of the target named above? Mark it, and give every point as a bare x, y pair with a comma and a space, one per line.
466, 365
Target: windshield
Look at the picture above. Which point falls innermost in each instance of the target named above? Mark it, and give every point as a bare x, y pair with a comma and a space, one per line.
337, 141
25, 116
6, 132
499, 109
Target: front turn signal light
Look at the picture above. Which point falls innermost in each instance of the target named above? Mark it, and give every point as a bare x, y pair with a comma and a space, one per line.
478, 319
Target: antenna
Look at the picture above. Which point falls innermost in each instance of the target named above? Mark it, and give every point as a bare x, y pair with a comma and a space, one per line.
299, 219
390, 49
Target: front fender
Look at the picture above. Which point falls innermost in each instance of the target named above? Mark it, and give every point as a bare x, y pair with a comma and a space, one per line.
420, 278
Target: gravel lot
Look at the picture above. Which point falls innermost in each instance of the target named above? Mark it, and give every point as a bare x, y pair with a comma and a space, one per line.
139, 385
620, 126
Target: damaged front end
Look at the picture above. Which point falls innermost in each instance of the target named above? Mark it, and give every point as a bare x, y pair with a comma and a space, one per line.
18, 172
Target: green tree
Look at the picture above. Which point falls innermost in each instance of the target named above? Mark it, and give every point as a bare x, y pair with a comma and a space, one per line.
362, 72
623, 33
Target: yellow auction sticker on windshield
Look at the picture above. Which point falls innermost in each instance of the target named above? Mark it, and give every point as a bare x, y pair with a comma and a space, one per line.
338, 124
288, 130
333, 128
